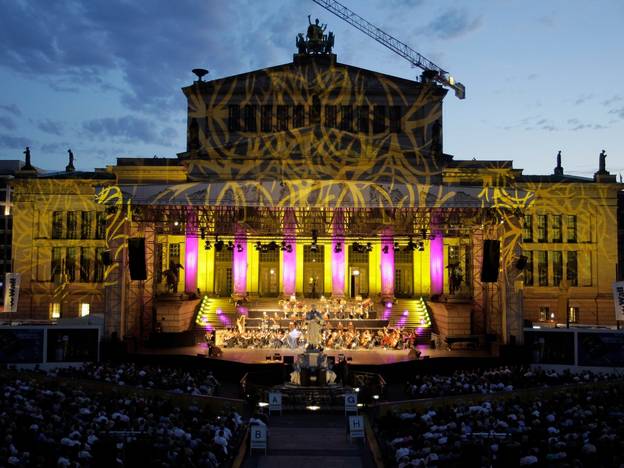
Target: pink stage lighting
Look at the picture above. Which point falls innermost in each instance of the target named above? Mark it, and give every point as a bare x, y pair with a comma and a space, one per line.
436, 252
239, 267
190, 262
387, 267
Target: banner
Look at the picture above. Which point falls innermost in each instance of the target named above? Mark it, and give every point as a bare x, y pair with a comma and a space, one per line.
11, 291
618, 299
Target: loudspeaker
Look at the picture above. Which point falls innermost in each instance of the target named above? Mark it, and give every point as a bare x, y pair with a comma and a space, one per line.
136, 257
491, 260
107, 258
521, 263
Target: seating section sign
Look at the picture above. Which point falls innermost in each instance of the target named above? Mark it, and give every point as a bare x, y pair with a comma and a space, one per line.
356, 427
258, 437
275, 401
618, 299
350, 402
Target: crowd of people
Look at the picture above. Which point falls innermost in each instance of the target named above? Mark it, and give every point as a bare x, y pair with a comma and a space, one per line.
53, 423
494, 380
580, 427
193, 382
341, 338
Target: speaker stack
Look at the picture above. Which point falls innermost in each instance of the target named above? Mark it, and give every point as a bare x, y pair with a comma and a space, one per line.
491, 261
136, 257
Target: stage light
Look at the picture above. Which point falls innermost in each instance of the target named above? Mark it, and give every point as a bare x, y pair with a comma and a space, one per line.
202, 233
369, 246
338, 247
375, 397
313, 248
258, 246
272, 245
230, 245
218, 245
207, 245
239, 247
175, 223
420, 246
263, 404
314, 236
385, 249
397, 247
356, 389
313, 408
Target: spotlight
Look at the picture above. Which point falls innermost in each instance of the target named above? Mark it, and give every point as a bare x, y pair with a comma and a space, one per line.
369, 246
258, 246
420, 246
286, 247
385, 249
357, 247
314, 236
175, 223
411, 246
207, 245
338, 247
314, 248
230, 245
218, 245
397, 247
239, 247
202, 233
272, 245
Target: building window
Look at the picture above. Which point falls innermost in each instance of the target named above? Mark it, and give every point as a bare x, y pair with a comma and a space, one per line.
395, 119
571, 228
313, 254
55, 266
100, 225
572, 268
542, 228
557, 259
55, 310
85, 264
250, 118
363, 125
346, 118
84, 309
85, 225
234, 118
573, 314
98, 271
527, 228
57, 225
528, 269
542, 267
379, 119
70, 264
282, 118
72, 225
266, 118
556, 228
330, 116
544, 313
298, 116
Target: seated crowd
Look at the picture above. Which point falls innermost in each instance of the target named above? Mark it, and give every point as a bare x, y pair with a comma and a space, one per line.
59, 424
580, 427
494, 380
193, 382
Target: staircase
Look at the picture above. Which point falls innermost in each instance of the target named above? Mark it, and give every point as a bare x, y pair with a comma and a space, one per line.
214, 313
411, 314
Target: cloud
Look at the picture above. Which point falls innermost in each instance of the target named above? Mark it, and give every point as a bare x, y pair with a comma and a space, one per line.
7, 122
13, 142
129, 129
583, 98
453, 23
54, 148
618, 112
11, 108
53, 127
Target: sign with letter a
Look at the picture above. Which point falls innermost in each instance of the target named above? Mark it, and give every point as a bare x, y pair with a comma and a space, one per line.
275, 402
618, 299
11, 291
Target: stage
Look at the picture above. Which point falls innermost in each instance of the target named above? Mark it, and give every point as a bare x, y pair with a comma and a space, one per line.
375, 356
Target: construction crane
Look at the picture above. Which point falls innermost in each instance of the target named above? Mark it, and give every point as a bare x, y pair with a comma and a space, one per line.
431, 70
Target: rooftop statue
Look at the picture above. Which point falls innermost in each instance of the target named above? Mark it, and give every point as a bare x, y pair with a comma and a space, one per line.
315, 40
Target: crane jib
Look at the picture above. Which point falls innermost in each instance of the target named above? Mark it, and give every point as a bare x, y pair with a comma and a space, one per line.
393, 44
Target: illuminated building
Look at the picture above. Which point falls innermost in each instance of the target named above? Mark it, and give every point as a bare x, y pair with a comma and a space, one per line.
318, 178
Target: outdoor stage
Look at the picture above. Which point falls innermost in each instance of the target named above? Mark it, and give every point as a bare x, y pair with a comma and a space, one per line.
358, 357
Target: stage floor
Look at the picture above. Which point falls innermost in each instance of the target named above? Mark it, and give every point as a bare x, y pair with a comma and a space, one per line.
360, 356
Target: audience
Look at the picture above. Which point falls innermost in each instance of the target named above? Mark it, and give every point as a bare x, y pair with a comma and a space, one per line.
59, 424
194, 382
576, 427
500, 379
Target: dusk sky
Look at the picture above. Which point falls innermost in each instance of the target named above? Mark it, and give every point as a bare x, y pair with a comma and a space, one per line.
103, 77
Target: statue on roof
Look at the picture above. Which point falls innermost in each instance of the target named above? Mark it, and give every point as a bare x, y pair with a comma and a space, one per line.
315, 40
602, 167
